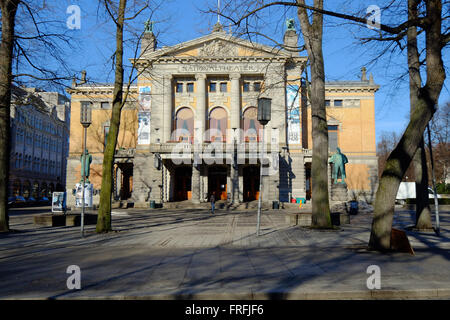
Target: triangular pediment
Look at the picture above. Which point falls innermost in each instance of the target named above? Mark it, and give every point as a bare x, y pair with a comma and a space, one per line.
218, 45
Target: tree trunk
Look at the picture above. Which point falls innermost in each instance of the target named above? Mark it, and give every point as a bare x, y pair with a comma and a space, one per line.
312, 35
8, 13
400, 158
423, 212
104, 212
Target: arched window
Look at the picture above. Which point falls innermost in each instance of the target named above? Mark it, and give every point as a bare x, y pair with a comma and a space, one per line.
251, 126
218, 124
184, 125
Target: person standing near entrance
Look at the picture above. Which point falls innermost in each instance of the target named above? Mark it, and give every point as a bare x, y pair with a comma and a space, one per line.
213, 202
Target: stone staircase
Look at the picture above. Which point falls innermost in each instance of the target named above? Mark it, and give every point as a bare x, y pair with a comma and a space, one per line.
224, 205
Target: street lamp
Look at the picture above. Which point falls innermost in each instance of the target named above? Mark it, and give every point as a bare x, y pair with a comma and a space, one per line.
264, 113
85, 120
235, 167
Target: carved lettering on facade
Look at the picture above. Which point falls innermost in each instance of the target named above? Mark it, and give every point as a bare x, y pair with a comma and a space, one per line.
193, 68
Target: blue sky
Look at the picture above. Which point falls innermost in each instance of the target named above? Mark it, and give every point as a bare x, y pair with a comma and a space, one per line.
182, 20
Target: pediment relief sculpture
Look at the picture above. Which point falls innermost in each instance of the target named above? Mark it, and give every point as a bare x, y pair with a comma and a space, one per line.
218, 48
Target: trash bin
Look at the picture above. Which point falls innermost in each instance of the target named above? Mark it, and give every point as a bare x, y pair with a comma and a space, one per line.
275, 205
152, 204
353, 207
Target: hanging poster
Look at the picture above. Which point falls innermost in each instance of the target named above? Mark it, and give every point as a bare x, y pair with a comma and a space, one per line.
144, 128
293, 114
144, 99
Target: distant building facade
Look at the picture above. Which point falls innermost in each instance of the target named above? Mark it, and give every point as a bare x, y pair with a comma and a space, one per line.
203, 94
39, 142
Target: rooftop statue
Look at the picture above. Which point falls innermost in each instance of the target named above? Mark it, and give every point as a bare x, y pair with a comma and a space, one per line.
290, 24
339, 160
149, 26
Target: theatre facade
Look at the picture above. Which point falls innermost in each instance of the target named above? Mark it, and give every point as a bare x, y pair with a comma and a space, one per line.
190, 128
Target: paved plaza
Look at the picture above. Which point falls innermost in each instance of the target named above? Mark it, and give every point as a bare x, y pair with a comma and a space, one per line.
192, 254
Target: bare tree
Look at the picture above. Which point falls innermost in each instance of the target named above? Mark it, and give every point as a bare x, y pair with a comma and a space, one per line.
30, 35
312, 36
423, 212
8, 11
120, 96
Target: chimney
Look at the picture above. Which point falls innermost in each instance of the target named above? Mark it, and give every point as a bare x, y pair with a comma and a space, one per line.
290, 38
148, 42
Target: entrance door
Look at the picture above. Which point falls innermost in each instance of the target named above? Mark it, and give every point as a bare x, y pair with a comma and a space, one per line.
183, 177
308, 180
251, 182
217, 182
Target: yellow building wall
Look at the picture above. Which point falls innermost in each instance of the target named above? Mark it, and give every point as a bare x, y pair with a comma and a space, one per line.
357, 176
356, 134
95, 133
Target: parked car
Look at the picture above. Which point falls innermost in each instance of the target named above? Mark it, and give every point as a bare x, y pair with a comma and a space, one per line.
31, 201
431, 194
43, 201
16, 201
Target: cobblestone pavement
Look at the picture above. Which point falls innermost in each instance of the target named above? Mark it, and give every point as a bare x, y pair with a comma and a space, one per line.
170, 254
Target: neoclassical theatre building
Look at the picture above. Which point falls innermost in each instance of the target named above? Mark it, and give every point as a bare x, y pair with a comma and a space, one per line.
190, 128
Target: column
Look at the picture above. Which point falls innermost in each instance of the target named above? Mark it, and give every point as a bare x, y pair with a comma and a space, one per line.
118, 182
200, 115
195, 184
235, 124
235, 100
241, 185
167, 107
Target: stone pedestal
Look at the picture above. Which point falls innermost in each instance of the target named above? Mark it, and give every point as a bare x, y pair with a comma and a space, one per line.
339, 192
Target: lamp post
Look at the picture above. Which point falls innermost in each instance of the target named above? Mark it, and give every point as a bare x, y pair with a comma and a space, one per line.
264, 113
85, 120
235, 167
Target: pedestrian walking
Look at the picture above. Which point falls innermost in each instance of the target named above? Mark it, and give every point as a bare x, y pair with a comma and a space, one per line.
213, 203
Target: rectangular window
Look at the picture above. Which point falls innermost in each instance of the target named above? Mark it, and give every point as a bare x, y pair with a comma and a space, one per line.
104, 105
223, 87
179, 87
327, 103
332, 138
338, 103
190, 87
257, 86
246, 87
212, 87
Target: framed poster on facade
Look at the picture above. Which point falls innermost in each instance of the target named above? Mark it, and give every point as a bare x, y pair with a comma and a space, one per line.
293, 114
58, 202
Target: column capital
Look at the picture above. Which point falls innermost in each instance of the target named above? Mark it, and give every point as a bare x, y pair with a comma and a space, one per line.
200, 76
167, 77
235, 76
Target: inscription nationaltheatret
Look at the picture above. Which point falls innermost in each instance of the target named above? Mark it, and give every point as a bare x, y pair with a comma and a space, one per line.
218, 68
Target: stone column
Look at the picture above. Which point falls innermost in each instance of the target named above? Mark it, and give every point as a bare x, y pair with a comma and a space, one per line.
200, 115
118, 182
167, 107
235, 100
241, 184
235, 124
195, 184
